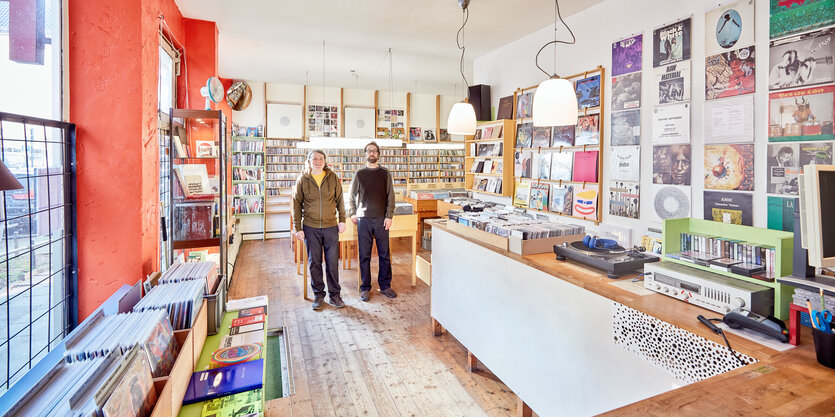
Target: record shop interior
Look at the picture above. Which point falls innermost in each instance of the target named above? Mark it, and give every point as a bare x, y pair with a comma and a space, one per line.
445, 208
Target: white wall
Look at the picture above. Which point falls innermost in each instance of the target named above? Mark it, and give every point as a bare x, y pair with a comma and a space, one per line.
512, 66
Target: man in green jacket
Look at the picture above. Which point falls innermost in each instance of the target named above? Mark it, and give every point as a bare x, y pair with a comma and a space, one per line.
319, 218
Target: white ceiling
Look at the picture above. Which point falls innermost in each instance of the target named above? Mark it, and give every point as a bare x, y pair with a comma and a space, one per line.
281, 41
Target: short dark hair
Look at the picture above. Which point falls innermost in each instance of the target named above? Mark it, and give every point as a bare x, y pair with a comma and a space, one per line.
785, 150
372, 143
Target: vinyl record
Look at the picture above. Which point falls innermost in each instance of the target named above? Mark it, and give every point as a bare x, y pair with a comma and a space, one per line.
235, 354
671, 203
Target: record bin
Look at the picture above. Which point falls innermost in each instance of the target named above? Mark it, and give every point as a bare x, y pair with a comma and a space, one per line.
215, 306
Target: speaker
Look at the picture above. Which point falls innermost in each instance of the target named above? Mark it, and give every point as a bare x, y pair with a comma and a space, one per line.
480, 99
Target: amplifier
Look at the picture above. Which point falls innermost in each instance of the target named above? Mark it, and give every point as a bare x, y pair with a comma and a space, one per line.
706, 289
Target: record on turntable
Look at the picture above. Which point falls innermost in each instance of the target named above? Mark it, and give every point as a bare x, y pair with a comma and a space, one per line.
615, 261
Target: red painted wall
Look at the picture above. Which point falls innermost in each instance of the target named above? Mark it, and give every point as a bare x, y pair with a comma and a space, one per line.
113, 72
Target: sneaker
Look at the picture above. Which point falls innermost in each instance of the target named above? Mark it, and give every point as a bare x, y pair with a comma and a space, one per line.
318, 302
388, 292
336, 301
365, 295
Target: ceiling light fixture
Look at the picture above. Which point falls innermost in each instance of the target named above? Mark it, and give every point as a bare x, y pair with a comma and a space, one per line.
555, 101
462, 119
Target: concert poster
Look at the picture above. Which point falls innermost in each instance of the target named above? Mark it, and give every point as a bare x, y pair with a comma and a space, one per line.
627, 55
801, 115
626, 91
671, 43
729, 207
671, 83
624, 199
730, 74
792, 16
728, 27
626, 127
802, 60
729, 167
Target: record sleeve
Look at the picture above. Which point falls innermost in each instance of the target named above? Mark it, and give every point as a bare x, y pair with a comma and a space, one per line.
728, 207
627, 55
241, 321
626, 127
134, 394
624, 199
588, 92
802, 60
523, 106
670, 202
505, 108
671, 164
585, 203
588, 130
561, 163
562, 199
539, 196
524, 135
794, 16
729, 27
585, 166
625, 162
562, 136
781, 213
247, 328
801, 115
228, 380
672, 83
522, 194
626, 91
244, 404
671, 123
541, 137
729, 167
671, 43
730, 73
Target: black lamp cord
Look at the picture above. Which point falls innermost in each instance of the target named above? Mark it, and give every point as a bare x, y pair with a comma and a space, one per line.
728, 344
557, 15
459, 42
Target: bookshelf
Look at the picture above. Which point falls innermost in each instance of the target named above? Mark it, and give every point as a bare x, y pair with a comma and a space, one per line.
284, 163
780, 241
432, 163
495, 149
198, 210
247, 176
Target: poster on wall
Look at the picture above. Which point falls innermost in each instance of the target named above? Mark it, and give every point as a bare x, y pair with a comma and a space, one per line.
585, 202
781, 213
671, 164
729, 167
802, 60
625, 163
730, 74
322, 120
588, 92
626, 127
729, 27
671, 43
798, 115
627, 55
791, 16
671, 83
626, 92
671, 124
729, 207
729, 121
670, 202
783, 167
624, 199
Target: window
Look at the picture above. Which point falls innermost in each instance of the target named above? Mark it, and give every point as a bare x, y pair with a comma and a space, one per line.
166, 100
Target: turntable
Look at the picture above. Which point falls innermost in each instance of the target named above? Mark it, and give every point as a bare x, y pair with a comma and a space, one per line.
615, 261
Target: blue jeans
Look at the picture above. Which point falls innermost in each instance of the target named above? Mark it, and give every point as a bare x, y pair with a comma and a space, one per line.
318, 240
368, 230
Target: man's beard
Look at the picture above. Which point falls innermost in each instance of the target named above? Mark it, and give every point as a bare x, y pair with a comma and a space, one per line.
371, 159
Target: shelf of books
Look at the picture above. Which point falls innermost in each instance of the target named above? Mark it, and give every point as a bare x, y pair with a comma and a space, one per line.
488, 158
198, 199
747, 253
284, 163
557, 169
436, 165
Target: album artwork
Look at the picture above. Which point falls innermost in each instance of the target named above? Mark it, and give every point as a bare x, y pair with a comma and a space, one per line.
624, 199
728, 207
523, 106
541, 166
672, 83
539, 196
562, 136
562, 199
730, 74
670, 202
322, 120
588, 92
505, 108
524, 134
585, 202
729, 167
522, 161
625, 162
561, 166
816, 153
783, 166
415, 134
588, 130
791, 16
802, 60
626, 127
626, 91
781, 213
541, 137
522, 194
671, 43
585, 166
730, 26
627, 55
799, 115
671, 164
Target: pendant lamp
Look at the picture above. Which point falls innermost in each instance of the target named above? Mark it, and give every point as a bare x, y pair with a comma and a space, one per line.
555, 101
462, 119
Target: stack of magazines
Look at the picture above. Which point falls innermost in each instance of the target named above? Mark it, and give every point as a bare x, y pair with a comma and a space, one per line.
182, 300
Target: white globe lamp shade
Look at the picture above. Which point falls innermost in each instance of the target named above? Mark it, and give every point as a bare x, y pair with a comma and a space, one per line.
461, 119
555, 103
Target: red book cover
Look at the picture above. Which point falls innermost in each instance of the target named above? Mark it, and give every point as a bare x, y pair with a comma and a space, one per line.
243, 321
585, 166
251, 311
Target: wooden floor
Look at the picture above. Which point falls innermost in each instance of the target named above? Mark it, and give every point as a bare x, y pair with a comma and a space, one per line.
367, 359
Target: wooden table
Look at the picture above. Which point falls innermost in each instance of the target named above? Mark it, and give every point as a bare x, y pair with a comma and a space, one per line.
425, 209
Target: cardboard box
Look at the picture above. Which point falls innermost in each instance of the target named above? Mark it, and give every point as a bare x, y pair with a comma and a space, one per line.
535, 246
480, 235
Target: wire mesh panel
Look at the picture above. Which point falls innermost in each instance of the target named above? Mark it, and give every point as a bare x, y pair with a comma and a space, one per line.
37, 251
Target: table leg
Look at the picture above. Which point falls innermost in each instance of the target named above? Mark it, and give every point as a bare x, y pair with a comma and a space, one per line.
414, 258
304, 257
794, 323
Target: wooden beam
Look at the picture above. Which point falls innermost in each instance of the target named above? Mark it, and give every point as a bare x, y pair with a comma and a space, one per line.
522, 409
472, 362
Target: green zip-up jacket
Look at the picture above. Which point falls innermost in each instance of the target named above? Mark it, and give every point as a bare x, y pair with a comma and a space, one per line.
316, 206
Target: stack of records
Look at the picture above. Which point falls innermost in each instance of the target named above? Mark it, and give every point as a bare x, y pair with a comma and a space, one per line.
182, 300
190, 271
506, 221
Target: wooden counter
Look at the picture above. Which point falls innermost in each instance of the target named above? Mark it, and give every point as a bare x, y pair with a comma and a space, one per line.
787, 383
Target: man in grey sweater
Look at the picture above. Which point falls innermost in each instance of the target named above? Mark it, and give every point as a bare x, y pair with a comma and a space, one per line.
371, 208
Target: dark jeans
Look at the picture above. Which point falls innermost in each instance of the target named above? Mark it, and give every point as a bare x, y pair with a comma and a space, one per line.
368, 230
327, 240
